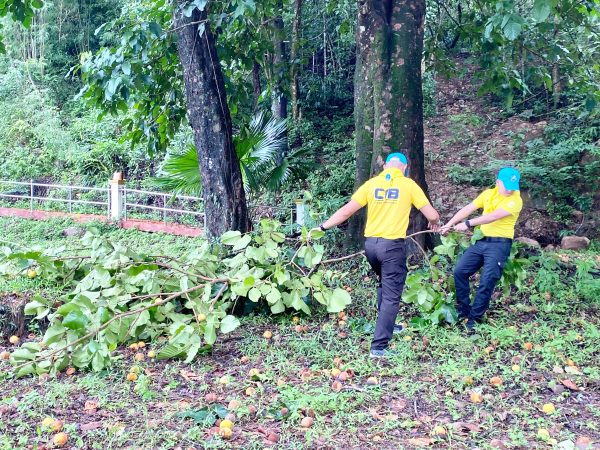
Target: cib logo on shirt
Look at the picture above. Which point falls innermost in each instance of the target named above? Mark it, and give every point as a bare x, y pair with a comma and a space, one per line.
387, 194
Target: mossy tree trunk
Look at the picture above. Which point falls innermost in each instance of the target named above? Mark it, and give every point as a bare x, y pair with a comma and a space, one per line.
388, 105
295, 59
222, 187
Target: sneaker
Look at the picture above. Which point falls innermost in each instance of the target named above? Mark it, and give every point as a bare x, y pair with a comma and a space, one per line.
470, 326
377, 354
399, 329
381, 354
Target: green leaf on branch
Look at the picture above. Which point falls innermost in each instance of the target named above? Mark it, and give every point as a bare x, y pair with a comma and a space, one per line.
338, 301
229, 323
541, 10
75, 320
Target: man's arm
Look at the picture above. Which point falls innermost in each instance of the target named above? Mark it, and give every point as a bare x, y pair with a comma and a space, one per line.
432, 216
482, 220
342, 214
461, 215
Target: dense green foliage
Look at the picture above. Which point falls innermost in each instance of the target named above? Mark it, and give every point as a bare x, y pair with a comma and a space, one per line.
114, 296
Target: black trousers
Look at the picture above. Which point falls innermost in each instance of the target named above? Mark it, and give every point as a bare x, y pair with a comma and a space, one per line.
491, 254
387, 257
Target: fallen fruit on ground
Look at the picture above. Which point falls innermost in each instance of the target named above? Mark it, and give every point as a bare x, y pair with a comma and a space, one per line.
135, 369
343, 376
57, 425
335, 372
527, 345
336, 386
250, 392
307, 422
5, 355
132, 376
60, 439
468, 380
516, 368
141, 344
233, 405
543, 434
372, 381
48, 422
224, 380
226, 424
151, 354
496, 381
439, 431
211, 397
201, 317
299, 328
134, 347
225, 433
267, 334
295, 319
476, 397
254, 372
31, 273
14, 340
139, 357
548, 408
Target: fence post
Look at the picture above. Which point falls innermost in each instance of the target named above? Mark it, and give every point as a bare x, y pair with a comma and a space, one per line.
31, 195
116, 196
300, 212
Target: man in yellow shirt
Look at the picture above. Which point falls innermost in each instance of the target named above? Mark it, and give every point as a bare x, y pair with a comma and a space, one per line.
389, 198
501, 207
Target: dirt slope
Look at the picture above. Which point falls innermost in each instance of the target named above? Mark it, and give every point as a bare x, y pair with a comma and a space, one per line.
466, 132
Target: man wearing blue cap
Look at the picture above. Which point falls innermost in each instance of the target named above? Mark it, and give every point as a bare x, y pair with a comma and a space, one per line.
389, 198
501, 207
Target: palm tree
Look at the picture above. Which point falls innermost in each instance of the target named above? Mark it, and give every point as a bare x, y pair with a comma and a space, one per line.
256, 146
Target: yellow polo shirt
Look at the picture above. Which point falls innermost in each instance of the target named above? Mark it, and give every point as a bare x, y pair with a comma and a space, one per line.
490, 200
389, 197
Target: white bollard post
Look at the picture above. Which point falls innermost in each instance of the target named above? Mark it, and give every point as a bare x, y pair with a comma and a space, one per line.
116, 196
300, 212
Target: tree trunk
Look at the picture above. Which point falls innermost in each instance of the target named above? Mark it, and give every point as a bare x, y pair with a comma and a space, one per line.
222, 188
279, 100
294, 58
256, 86
388, 94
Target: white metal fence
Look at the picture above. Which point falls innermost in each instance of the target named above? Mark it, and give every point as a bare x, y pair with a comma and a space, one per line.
118, 201
38, 193
71, 194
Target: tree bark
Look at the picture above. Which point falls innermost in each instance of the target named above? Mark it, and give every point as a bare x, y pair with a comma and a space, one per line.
222, 188
388, 92
294, 59
279, 99
256, 86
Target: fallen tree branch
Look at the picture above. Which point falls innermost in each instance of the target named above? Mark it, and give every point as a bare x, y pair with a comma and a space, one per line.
117, 317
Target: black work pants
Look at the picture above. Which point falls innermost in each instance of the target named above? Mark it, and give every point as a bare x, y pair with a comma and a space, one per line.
491, 254
387, 257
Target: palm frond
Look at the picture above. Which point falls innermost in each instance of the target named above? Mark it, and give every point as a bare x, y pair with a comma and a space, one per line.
180, 173
257, 147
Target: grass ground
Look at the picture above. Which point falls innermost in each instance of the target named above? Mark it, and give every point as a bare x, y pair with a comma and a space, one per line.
421, 398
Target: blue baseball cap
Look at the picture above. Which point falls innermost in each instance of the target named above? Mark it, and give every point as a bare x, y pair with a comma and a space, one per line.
399, 156
510, 178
